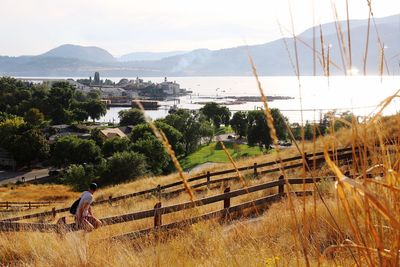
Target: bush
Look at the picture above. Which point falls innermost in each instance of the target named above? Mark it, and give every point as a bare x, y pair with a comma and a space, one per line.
124, 166
78, 177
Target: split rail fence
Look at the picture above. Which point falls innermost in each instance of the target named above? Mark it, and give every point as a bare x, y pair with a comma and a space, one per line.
205, 179
159, 211
26, 204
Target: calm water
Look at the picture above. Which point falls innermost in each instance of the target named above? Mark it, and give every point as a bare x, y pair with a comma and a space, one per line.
358, 94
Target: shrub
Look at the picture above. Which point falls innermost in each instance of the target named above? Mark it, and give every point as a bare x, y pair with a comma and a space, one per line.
78, 177
124, 166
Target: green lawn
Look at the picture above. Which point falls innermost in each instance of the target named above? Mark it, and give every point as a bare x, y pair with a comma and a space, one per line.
209, 153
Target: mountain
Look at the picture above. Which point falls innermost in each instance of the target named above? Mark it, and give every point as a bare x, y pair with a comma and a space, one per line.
85, 53
270, 58
143, 56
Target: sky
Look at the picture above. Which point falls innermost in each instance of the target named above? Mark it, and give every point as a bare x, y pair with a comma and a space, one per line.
31, 27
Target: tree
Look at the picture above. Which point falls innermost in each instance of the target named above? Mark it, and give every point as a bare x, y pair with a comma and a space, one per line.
95, 109
124, 166
206, 130
94, 95
22, 142
78, 177
70, 149
114, 145
173, 135
79, 115
188, 123
296, 130
280, 123
156, 156
60, 100
132, 116
216, 113
86, 151
34, 117
239, 123
258, 130
28, 146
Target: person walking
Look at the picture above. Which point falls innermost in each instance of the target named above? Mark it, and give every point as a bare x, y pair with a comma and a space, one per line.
84, 215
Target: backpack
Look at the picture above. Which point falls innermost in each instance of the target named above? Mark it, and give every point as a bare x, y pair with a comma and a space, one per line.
74, 206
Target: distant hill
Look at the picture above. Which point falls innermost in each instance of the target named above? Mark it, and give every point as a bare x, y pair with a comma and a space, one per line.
270, 58
144, 56
85, 53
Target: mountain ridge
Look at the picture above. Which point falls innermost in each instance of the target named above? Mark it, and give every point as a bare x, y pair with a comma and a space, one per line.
271, 58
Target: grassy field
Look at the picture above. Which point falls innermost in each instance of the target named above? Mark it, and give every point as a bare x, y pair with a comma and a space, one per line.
342, 227
212, 153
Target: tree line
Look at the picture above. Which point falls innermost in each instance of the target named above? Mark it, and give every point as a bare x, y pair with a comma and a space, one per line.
27, 110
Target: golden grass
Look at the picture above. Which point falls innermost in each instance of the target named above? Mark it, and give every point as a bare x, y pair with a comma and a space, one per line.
334, 235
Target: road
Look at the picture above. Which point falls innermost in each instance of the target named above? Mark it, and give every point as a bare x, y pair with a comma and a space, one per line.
12, 177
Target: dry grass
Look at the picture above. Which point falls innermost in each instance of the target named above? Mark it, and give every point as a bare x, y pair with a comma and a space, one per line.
355, 222
334, 235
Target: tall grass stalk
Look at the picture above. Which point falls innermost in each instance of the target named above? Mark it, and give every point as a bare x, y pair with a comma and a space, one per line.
164, 140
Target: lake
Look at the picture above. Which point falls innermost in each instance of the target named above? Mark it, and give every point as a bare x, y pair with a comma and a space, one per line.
359, 94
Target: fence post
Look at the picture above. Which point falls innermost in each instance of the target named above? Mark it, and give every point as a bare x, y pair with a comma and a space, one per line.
6, 205
255, 169
281, 187
29, 203
208, 179
227, 203
53, 212
159, 192
157, 215
110, 200
307, 162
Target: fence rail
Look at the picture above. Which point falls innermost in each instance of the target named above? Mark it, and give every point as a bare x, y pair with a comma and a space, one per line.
26, 204
256, 169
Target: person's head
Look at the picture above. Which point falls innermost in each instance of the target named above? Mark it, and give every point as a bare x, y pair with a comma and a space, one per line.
93, 187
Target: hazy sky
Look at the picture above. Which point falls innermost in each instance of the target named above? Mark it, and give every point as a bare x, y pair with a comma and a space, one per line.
30, 27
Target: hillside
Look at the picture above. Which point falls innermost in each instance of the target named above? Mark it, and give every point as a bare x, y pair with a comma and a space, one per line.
271, 58
83, 53
277, 236
144, 56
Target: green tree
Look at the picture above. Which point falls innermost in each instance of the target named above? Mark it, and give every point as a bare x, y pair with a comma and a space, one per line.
79, 115
239, 123
206, 130
79, 177
280, 123
114, 145
34, 117
188, 123
86, 151
308, 131
60, 99
94, 95
156, 157
296, 130
216, 113
258, 130
70, 149
132, 116
28, 146
95, 109
173, 135
124, 166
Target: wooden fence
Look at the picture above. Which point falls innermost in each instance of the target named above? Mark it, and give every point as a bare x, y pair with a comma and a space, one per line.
205, 179
159, 211
26, 204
